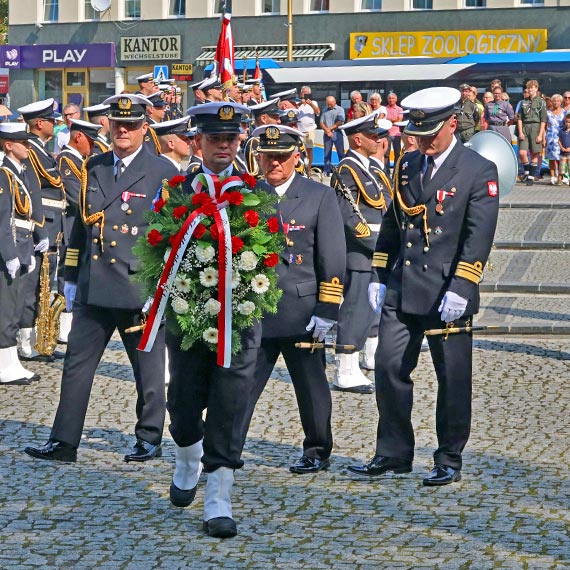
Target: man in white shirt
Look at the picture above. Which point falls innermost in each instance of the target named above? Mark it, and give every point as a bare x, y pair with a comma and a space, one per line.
308, 112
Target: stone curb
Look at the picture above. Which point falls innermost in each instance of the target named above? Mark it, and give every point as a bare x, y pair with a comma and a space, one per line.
535, 205
519, 287
531, 244
524, 329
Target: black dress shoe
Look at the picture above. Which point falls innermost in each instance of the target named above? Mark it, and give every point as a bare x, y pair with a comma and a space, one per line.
36, 358
35, 378
380, 465
144, 451
442, 475
180, 497
58, 355
54, 451
362, 389
221, 527
309, 465
17, 382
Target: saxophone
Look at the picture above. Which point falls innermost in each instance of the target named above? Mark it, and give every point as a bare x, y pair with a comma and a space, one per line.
47, 323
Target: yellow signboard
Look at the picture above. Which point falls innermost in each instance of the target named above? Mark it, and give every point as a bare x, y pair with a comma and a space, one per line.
445, 44
181, 69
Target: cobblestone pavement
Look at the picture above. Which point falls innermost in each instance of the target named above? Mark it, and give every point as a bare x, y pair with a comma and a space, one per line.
512, 509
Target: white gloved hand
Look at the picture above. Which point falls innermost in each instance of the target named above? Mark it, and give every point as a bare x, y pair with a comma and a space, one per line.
32, 264
42, 246
321, 327
69, 291
376, 294
452, 307
147, 305
12, 265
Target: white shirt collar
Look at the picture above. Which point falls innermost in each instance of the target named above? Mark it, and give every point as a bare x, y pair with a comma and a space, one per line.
226, 172
365, 161
19, 168
282, 188
74, 151
177, 164
128, 159
440, 158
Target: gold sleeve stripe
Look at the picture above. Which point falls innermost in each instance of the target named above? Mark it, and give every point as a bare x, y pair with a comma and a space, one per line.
380, 260
331, 292
362, 230
471, 272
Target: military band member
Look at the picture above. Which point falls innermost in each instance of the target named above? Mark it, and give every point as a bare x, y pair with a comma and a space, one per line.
155, 115
532, 119
196, 381
311, 275
266, 113
256, 92
175, 139
16, 249
196, 159
147, 84
98, 115
118, 191
290, 117
467, 113
40, 118
362, 213
70, 162
199, 95
429, 259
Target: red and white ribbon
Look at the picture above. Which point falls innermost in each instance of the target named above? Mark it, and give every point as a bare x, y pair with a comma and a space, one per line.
215, 189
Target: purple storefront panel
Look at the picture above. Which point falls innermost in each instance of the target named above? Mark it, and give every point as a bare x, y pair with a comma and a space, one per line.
58, 55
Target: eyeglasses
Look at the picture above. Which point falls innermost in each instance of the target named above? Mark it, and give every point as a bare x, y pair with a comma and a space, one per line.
71, 114
566, 96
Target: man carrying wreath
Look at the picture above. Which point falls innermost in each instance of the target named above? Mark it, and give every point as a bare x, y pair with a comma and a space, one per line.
197, 382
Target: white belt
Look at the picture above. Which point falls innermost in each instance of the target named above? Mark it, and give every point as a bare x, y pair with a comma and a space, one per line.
59, 204
374, 227
24, 224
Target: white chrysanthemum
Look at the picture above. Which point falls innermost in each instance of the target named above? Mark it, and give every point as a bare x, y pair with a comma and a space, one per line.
210, 335
212, 307
247, 261
166, 254
260, 283
235, 279
205, 254
182, 284
246, 308
209, 277
180, 306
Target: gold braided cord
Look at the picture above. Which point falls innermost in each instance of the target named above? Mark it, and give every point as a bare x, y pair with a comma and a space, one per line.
72, 167
55, 181
413, 210
252, 164
23, 209
155, 140
89, 219
385, 181
379, 204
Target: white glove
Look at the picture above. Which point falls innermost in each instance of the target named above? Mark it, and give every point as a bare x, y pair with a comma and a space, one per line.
69, 291
376, 294
42, 246
321, 327
147, 305
12, 265
452, 307
32, 264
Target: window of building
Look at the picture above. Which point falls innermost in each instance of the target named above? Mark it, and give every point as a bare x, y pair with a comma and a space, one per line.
270, 6
177, 8
532, 2
319, 5
90, 12
132, 8
422, 4
475, 3
371, 5
219, 6
51, 10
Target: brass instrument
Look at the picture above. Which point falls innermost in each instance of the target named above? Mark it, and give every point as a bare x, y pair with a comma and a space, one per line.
47, 323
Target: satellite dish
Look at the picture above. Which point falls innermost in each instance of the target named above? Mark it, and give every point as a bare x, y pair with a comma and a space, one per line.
100, 5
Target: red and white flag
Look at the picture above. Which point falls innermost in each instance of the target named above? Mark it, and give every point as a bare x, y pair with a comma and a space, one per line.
257, 72
224, 59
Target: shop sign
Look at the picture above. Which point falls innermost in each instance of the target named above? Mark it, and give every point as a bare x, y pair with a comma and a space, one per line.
58, 55
445, 43
181, 69
139, 48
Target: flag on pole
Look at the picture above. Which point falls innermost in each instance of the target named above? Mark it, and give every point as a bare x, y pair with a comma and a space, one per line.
224, 59
257, 72
244, 70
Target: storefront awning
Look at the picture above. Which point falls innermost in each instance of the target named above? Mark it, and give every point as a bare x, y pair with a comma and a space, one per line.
301, 52
366, 73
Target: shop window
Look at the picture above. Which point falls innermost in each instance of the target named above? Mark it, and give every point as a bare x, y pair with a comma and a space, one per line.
475, 3
319, 6
422, 4
177, 8
90, 12
532, 2
219, 6
101, 85
371, 5
52, 85
51, 10
270, 6
132, 8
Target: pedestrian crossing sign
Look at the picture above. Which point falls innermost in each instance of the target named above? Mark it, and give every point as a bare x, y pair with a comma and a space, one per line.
161, 72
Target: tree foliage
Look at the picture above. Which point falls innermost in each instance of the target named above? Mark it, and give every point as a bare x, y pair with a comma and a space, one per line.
3, 21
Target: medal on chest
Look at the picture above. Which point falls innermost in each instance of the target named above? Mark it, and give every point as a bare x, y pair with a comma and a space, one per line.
126, 196
440, 196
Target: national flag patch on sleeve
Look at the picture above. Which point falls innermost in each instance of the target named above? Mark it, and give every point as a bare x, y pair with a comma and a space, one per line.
493, 188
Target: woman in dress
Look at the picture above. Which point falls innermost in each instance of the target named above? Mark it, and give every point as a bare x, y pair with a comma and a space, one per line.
555, 123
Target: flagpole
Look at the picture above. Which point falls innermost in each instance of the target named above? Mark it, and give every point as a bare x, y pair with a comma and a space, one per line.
289, 30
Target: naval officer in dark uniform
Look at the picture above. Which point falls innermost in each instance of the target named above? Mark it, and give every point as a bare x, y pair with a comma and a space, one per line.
363, 201
99, 115
99, 263
311, 275
197, 382
429, 259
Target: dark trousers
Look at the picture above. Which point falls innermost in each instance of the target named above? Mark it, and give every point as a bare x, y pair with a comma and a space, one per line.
356, 317
197, 383
399, 345
11, 301
307, 371
338, 141
91, 331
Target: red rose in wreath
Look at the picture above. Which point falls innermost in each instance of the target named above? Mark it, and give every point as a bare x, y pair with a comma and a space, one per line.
234, 198
176, 180
271, 260
252, 218
154, 237
249, 180
179, 211
158, 205
199, 231
272, 225
200, 199
237, 244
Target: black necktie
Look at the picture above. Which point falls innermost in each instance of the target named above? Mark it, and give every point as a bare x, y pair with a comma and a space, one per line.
120, 165
429, 170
